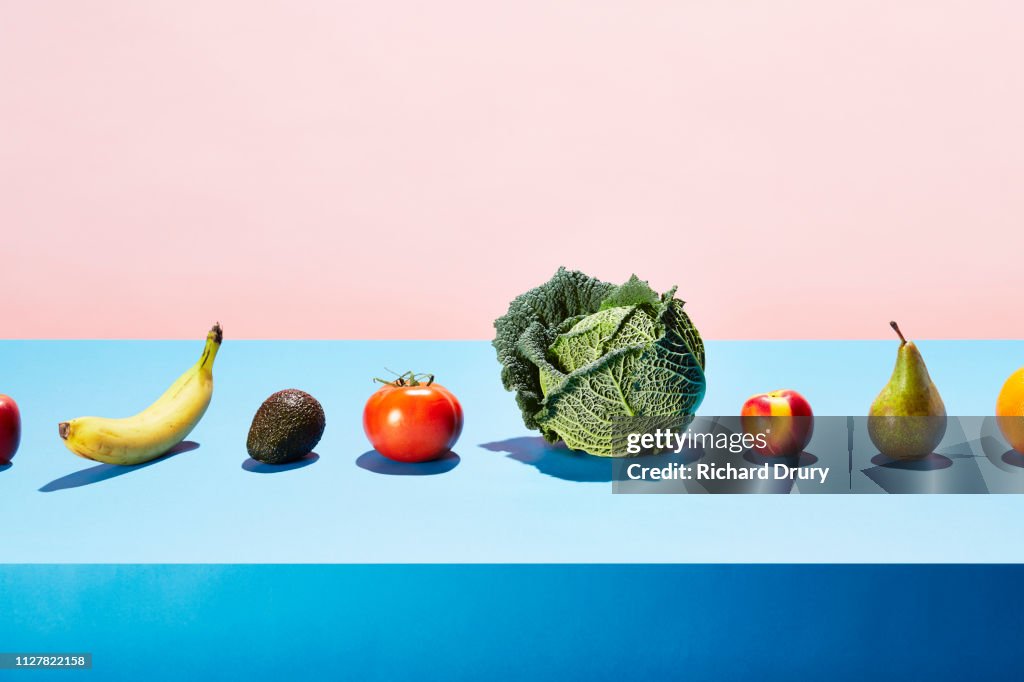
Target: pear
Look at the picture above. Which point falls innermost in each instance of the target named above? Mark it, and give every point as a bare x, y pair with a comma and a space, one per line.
907, 419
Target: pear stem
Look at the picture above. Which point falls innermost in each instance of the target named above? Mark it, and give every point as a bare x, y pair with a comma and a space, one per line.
898, 332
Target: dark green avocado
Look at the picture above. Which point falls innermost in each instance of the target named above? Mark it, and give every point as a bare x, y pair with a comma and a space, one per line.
286, 428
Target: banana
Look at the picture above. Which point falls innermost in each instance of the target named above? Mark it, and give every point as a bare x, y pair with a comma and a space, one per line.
155, 430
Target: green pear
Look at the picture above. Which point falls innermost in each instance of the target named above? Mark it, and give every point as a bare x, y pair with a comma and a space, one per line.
907, 419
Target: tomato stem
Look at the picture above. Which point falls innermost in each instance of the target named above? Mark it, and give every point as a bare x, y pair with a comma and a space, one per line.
409, 378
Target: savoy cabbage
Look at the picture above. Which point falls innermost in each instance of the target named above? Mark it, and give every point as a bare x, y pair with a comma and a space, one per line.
581, 353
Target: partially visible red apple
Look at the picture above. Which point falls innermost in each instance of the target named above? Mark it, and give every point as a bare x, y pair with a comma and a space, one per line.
10, 428
785, 419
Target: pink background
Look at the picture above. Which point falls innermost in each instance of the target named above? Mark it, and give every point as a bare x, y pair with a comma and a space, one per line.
802, 169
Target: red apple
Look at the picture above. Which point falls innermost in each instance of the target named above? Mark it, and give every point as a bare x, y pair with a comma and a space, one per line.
10, 428
785, 419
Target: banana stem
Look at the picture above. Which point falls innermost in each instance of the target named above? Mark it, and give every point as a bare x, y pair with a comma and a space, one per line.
213, 341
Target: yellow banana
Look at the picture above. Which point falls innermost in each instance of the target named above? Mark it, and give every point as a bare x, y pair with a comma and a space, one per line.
155, 430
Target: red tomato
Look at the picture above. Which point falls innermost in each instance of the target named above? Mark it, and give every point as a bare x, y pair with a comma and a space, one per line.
412, 421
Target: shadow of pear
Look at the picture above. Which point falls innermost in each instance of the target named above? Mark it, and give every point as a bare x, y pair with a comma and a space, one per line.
104, 472
932, 462
931, 474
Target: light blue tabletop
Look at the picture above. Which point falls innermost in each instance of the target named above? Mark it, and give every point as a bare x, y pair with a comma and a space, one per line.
507, 498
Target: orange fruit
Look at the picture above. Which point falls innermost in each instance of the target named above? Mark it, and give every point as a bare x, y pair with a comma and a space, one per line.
1010, 410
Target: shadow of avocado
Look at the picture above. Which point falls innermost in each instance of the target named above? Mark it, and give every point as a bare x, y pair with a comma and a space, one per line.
103, 472
557, 461
256, 467
5, 467
379, 464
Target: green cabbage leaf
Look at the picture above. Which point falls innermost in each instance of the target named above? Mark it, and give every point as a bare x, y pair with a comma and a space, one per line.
581, 355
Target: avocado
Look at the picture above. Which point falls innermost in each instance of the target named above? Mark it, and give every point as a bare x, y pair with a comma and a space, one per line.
286, 428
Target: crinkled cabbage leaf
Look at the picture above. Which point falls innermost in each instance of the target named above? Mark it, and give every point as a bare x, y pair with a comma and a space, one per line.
581, 354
